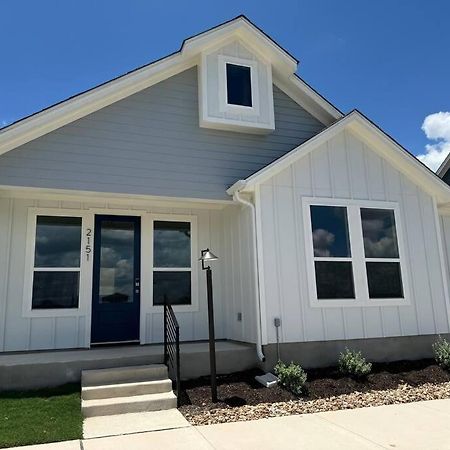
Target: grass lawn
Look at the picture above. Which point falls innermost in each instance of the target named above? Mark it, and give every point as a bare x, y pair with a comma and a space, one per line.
36, 417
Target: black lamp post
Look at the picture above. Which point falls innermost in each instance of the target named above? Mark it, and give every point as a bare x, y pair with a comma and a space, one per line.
206, 257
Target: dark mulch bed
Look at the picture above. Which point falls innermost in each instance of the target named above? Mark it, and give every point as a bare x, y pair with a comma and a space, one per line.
240, 389
233, 390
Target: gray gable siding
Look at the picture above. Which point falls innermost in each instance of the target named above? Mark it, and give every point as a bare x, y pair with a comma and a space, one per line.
151, 143
446, 177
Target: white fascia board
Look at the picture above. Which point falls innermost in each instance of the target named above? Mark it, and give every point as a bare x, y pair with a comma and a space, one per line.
376, 139
405, 162
307, 98
70, 110
248, 32
127, 200
443, 167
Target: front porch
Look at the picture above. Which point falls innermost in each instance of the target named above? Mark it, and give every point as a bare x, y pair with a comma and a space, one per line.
37, 369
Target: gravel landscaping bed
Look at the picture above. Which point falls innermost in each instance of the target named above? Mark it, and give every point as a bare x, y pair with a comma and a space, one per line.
241, 398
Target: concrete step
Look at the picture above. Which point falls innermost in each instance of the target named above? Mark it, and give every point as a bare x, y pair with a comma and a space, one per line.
126, 389
124, 405
120, 375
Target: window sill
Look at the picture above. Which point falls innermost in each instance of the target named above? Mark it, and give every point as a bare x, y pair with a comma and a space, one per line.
57, 312
239, 109
176, 309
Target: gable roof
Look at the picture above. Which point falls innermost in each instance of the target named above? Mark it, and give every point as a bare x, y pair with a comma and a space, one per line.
87, 102
443, 168
369, 133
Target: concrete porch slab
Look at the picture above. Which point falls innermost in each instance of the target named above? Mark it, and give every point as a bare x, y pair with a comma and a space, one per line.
37, 369
115, 425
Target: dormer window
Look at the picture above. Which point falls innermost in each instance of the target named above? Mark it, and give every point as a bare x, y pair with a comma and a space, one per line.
239, 85
236, 91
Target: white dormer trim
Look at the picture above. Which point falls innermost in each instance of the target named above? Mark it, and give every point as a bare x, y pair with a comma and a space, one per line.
214, 110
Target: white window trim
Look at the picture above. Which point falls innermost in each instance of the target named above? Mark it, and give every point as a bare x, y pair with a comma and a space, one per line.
224, 106
358, 257
84, 296
147, 269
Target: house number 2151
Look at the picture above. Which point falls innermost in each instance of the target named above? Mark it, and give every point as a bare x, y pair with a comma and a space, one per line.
88, 248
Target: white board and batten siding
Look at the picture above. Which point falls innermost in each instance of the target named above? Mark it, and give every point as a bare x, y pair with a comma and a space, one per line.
19, 332
345, 168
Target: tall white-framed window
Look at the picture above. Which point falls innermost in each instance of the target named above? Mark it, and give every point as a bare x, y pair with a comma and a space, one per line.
238, 85
54, 282
355, 253
173, 261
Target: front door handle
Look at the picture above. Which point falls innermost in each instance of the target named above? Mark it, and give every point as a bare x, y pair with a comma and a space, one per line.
137, 285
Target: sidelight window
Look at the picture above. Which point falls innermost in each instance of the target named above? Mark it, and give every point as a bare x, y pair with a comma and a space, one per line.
172, 262
56, 269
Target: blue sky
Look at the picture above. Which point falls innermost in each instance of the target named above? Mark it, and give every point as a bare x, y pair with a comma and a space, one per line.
388, 58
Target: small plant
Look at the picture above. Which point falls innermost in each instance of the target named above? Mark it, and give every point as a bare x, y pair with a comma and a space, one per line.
353, 364
441, 349
291, 376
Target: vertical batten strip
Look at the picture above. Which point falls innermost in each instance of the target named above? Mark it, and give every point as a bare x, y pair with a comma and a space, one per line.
6, 274
298, 251
278, 256
408, 254
427, 259
442, 239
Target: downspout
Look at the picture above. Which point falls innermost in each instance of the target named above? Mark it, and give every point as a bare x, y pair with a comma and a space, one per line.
239, 199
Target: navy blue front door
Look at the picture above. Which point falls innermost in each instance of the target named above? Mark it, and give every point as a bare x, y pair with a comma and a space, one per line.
116, 279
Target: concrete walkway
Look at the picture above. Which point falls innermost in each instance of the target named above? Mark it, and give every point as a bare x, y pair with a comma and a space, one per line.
421, 425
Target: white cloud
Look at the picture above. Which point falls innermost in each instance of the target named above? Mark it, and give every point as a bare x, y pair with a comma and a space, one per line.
437, 128
3, 123
322, 240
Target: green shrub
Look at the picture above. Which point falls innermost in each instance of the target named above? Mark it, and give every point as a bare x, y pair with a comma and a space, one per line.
353, 364
441, 349
291, 376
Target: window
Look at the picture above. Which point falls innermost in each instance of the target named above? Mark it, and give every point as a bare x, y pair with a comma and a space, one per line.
56, 268
332, 253
239, 86
355, 253
172, 262
381, 253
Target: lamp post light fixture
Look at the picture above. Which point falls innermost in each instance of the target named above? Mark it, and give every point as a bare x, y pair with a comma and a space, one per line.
206, 257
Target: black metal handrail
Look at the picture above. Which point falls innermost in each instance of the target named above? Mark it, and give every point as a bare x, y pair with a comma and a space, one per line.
172, 347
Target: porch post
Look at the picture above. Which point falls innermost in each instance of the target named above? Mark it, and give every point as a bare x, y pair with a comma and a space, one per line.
212, 338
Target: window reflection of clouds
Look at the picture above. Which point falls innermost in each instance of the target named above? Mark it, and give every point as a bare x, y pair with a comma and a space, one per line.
322, 240
117, 261
172, 244
380, 238
330, 231
58, 241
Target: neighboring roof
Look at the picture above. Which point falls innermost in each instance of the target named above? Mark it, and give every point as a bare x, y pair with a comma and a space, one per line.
87, 102
443, 168
370, 133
